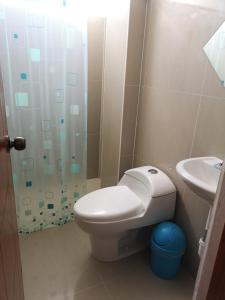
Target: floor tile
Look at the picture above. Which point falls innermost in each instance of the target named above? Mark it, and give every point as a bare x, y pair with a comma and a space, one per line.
57, 265
95, 293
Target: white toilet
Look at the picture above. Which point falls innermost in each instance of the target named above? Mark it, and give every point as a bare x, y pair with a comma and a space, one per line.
114, 217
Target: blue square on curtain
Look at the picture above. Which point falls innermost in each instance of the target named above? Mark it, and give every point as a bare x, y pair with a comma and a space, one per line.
23, 76
75, 168
29, 183
15, 35
50, 206
64, 2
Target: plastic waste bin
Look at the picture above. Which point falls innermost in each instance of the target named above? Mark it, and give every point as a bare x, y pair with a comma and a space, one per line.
167, 244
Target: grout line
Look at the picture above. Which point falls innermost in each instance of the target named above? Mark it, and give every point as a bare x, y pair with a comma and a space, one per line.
81, 290
124, 92
129, 84
108, 292
102, 105
105, 287
198, 112
195, 127
140, 78
183, 92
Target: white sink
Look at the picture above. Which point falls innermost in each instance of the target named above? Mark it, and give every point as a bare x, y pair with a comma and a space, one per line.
201, 174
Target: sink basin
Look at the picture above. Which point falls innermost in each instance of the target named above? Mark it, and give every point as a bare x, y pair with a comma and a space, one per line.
201, 174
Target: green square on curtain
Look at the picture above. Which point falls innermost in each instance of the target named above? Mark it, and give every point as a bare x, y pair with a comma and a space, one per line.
21, 99
76, 195
75, 168
35, 54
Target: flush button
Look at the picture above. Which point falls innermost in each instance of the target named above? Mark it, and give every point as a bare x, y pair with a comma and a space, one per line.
153, 171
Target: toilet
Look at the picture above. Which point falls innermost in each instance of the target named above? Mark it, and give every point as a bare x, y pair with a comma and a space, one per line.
116, 217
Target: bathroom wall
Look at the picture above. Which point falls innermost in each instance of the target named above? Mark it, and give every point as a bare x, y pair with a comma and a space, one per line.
181, 112
132, 82
96, 29
116, 37
123, 56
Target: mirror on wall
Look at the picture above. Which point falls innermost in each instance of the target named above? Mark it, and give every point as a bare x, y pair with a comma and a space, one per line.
215, 51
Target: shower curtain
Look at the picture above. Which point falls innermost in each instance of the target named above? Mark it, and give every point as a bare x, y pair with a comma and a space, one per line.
43, 59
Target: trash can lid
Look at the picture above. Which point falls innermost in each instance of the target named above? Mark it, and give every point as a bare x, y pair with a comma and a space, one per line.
169, 236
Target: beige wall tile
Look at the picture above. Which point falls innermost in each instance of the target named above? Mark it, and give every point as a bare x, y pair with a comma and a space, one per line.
133, 75
96, 29
107, 181
210, 132
177, 77
135, 41
116, 39
165, 125
191, 213
111, 132
212, 86
125, 164
216, 5
92, 155
174, 57
94, 106
129, 119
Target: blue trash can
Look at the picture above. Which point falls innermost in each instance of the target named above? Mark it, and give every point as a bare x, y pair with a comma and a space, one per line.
168, 244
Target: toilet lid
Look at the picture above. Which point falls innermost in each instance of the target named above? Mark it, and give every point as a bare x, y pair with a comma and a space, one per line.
109, 204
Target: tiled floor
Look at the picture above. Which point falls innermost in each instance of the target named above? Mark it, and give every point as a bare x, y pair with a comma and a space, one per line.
57, 265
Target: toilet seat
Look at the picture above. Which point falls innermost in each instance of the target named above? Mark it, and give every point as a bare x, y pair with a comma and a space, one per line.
109, 204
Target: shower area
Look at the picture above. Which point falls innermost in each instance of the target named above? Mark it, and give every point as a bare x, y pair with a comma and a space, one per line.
66, 66
44, 65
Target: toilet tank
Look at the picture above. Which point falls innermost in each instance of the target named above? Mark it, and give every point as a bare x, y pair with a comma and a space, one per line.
149, 182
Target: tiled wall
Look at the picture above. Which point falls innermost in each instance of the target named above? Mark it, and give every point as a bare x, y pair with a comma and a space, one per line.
182, 105
124, 64
132, 83
123, 56
115, 56
96, 29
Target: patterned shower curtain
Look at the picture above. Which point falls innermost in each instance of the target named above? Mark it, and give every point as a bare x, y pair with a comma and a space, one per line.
43, 59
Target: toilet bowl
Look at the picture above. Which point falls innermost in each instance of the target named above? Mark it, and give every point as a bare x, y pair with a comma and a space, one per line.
115, 217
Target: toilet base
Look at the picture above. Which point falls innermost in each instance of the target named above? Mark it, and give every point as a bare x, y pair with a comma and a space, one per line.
111, 248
